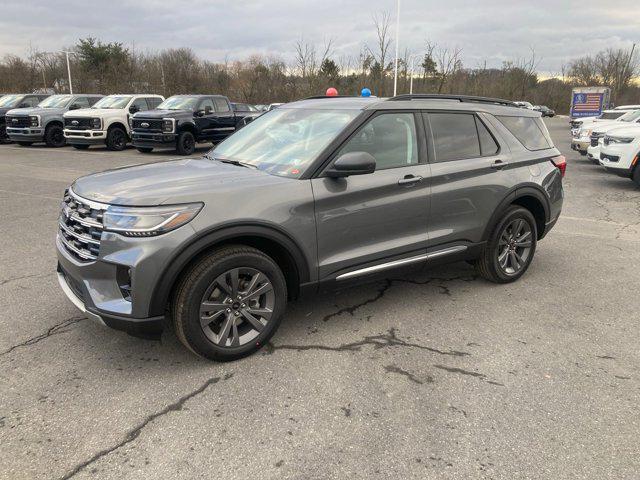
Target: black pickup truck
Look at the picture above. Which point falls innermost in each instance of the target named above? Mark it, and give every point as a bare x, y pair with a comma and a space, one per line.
182, 121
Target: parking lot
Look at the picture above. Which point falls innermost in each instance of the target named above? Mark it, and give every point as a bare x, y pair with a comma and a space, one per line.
440, 375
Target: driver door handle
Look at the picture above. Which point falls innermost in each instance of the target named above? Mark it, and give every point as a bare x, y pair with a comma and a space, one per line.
409, 180
498, 165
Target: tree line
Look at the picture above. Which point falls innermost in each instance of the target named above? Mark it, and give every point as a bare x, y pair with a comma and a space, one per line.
101, 67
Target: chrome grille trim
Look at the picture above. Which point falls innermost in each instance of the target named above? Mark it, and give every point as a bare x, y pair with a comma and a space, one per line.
80, 226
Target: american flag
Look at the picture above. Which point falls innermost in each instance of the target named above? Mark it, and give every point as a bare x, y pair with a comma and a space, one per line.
587, 102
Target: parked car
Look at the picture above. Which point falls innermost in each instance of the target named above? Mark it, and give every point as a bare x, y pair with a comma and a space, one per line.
318, 192
582, 139
598, 133
107, 121
183, 120
13, 101
545, 111
606, 115
45, 122
246, 111
523, 104
620, 152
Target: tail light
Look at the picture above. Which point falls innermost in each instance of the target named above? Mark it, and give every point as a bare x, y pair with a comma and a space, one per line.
560, 163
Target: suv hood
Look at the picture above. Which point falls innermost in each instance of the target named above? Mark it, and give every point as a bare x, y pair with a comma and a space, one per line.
630, 131
178, 181
159, 114
600, 128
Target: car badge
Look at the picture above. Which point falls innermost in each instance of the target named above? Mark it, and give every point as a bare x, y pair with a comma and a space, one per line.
74, 122
144, 125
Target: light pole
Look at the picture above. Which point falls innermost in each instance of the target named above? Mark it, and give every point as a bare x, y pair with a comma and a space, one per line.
412, 59
395, 74
69, 70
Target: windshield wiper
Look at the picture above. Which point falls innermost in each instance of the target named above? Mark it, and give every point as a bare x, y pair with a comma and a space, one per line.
237, 163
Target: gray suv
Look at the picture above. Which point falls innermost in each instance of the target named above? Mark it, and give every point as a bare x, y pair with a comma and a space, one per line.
320, 192
44, 123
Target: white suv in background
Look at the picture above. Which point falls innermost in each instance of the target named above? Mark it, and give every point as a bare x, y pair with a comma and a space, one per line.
582, 140
107, 121
620, 151
598, 132
605, 116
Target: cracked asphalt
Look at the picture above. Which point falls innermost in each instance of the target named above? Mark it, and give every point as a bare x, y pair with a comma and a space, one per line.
438, 375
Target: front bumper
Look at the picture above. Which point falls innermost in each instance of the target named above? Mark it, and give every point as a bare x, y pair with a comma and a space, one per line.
593, 153
85, 137
580, 144
26, 134
95, 286
153, 140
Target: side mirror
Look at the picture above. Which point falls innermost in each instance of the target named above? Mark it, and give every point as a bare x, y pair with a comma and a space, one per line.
208, 110
75, 106
23, 105
134, 109
353, 163
198, 113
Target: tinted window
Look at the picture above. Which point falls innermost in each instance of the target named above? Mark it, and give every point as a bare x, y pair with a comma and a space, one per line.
527, 130
454, 136
30, 101
207, 104
141, 103
93, 100
221, 105
82, 102
488, 145
390, 138
153, 102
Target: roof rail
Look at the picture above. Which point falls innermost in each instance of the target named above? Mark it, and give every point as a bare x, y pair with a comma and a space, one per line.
315, 97
460, 98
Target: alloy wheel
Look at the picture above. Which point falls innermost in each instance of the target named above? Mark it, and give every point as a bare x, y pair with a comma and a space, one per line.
237, 307
514, 246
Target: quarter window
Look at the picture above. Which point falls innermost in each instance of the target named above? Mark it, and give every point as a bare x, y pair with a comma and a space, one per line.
389, 137
527, 131
488, 145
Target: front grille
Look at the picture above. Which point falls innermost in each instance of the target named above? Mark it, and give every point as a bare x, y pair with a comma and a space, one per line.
78, 123
594, 138
147, 125
611, 158
80, 227
18, 122
576, 124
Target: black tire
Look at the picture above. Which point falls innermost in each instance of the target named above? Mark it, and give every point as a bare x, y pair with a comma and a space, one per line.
186, 143
197, 282
80, 146
489, 265
144, 149
635, 176
4, 138
25, 144
54, 136
582, 152
116, 139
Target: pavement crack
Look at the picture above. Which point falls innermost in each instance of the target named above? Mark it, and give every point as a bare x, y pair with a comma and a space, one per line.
55, 330
462, 371
409, 375
23, 277
389, 339
353, 308
135, 432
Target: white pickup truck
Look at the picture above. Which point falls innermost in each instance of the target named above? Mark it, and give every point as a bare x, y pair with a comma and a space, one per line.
107, 121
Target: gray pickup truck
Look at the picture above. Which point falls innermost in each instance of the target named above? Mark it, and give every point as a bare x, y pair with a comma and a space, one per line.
44, 122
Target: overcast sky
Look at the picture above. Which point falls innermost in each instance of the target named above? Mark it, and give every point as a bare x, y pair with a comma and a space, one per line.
487, 30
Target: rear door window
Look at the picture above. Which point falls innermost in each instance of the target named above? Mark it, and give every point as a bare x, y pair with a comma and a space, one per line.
455, 136
530, 131
221, 105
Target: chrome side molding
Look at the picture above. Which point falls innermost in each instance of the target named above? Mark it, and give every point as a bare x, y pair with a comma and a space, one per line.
402, 261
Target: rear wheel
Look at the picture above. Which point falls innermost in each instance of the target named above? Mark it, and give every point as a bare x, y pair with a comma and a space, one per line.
54, 136
144, 149
510, 248
25, 144
229, 303
116, 139
186, 143
81, 147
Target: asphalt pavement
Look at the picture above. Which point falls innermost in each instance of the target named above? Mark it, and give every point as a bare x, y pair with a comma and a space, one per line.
440, 375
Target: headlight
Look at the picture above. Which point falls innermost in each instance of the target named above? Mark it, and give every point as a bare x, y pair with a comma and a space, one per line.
96, 123
167, 125
621, 139
148, 221
34, 121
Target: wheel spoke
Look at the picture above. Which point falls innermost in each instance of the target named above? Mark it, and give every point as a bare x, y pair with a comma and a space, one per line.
259, 291
523, 244
255, 281
255, 323
212, 307
224, 333
514, 260
504, 257
517, 227
235, 336
233, 277
524, 236
221, 281
261, 312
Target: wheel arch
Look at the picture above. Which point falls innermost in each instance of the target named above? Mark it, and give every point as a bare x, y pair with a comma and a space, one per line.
189, 127
531, 197
268, 239
54, 122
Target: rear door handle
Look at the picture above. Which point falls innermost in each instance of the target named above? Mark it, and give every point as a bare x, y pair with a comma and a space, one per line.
498, 164
409, 180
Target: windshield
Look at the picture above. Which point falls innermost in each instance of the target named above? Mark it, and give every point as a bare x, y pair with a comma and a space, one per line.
610, 115
55, 101
179, 103
115, 102
284, 141
10, 100
631, 116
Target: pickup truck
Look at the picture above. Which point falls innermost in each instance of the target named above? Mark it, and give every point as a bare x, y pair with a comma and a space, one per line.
16, 100
107, 121
45, 123
182, 121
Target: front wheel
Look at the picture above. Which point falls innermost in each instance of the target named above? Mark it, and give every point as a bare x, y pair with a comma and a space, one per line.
636, 176
186, 143
230, 303
54, 136
4, 138
510, 248
116, 139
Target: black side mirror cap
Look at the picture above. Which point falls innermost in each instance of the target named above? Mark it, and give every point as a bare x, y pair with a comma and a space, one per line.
352, 163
